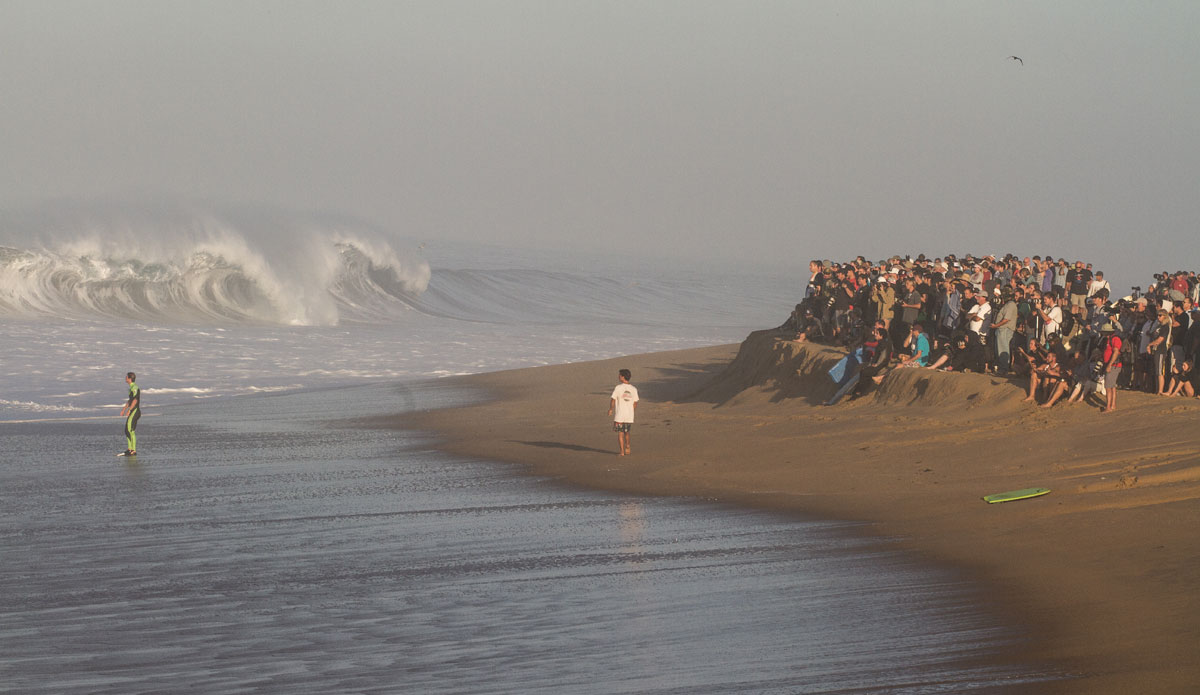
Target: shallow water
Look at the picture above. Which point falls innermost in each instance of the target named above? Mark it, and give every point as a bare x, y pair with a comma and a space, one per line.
254, 547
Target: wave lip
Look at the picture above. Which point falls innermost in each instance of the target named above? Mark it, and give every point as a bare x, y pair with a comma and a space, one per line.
209, 270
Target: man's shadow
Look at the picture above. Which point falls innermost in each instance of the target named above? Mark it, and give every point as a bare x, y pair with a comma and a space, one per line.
568, 447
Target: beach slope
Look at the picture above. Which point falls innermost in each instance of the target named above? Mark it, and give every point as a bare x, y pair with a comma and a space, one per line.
1103, 570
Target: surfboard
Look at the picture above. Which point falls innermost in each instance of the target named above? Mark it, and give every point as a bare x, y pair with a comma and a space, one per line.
1013, 495
845, 375
846, 367
126, 453
850, 383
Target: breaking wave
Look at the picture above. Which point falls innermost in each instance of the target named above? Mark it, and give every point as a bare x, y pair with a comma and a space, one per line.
189, 267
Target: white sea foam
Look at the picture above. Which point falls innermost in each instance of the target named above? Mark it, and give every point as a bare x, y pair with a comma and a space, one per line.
188, 266
33, 406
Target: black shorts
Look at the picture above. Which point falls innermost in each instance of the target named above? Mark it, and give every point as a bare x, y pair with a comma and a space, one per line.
622, 427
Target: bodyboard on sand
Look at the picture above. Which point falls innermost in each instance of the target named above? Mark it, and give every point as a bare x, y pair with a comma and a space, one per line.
1013, 495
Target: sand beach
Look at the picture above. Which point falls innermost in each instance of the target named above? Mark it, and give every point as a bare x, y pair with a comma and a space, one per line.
1102, 570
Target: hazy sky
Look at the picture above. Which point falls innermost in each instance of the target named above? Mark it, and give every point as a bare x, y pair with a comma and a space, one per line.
762, 131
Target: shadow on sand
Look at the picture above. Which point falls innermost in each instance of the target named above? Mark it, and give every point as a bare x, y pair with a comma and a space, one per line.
567, 447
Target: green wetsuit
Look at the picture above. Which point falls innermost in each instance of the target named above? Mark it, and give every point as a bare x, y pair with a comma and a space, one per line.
135, 400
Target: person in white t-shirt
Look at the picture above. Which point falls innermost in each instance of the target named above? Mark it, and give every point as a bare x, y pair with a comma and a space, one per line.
979, 318
1051, 315
622, 406
1098, 283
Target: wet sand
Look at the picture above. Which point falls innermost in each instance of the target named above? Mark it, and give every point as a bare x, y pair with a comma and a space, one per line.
1102, 570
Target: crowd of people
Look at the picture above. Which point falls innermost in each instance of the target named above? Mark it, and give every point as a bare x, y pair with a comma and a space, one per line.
1054, 324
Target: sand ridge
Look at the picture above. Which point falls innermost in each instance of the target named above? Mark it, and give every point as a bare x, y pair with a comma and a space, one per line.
1103, 569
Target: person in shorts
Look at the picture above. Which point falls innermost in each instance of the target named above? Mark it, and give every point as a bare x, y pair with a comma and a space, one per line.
621, 407
1112, 365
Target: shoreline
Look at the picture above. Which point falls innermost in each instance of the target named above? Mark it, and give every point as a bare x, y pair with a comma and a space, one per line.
1099, 572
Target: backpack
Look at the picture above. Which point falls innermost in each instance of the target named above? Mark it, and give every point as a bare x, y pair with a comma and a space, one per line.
1068, 324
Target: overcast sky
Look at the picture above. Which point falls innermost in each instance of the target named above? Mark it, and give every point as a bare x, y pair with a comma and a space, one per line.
761, 131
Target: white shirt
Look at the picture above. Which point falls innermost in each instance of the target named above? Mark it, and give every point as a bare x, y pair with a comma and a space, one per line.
976, 315
625, 395
1054, 322
1097, 285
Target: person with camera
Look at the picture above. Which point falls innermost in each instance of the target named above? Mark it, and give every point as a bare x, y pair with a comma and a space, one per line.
1047, 310
843, 292
883, 300
1098, 315
1003, 327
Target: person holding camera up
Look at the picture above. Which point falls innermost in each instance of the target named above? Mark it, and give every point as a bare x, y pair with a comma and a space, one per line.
1047, 309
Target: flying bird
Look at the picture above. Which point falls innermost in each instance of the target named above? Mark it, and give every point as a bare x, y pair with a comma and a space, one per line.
1016, 59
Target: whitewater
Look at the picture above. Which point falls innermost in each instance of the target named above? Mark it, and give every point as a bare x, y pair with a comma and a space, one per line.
206, 304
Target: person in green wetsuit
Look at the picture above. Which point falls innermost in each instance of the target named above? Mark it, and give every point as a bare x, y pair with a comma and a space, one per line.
131, 412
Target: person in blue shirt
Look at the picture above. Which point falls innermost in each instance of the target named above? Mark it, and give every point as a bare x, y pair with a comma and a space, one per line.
918, 344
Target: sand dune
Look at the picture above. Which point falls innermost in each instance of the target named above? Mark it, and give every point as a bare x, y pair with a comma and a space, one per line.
1103, 570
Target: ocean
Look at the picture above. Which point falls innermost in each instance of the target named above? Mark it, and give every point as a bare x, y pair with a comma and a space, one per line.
262, 542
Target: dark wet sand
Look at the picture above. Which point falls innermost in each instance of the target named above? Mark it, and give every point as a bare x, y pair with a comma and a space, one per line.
1103, 570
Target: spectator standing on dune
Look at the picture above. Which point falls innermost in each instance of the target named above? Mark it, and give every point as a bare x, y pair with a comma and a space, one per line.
979, 318
1112, 365
1004, 324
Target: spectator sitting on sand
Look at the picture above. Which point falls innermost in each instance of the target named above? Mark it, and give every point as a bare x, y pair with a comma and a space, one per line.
1020, 351
918, 345
1181, 384
1089, 375
955, 357
1067, 368
918, 348
879, 360
1044, 378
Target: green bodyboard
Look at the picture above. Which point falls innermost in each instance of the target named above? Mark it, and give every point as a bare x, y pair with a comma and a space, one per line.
1016, 495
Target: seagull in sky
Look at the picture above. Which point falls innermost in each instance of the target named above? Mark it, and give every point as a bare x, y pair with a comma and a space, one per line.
1016, 59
